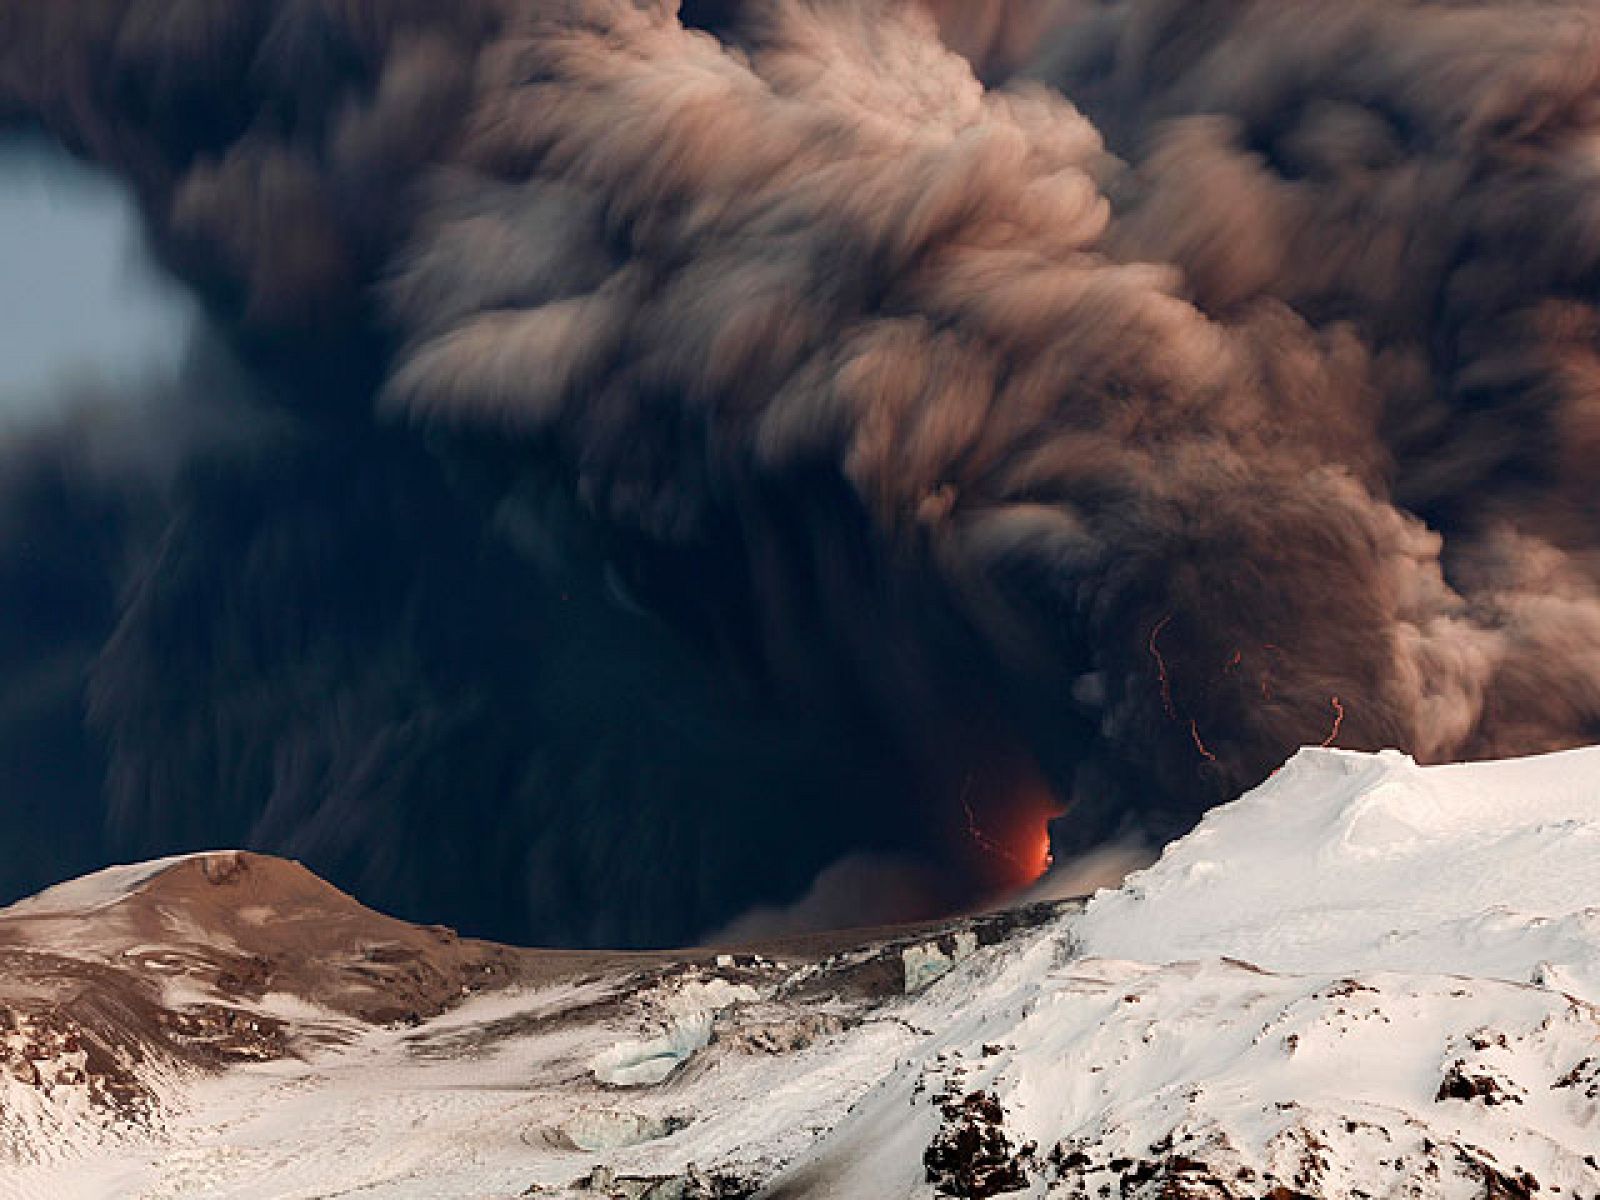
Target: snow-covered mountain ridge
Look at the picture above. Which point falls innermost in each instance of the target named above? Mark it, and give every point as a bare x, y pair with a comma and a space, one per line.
1364, 979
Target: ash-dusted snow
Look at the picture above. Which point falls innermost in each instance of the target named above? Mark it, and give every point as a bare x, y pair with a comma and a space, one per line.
690, 1014
1365, 978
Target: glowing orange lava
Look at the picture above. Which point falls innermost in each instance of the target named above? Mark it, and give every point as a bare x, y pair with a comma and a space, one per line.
1013, 834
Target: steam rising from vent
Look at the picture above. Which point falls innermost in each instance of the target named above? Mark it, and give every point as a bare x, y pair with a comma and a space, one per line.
711, 454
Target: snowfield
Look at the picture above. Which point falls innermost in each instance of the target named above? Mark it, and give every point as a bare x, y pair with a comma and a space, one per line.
1363, 979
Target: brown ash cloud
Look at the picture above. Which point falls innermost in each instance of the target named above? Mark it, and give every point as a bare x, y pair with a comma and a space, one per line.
716, 445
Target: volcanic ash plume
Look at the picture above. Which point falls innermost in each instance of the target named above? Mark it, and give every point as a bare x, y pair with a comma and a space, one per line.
723, 451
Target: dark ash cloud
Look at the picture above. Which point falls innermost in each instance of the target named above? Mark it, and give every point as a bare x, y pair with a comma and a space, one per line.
710, 454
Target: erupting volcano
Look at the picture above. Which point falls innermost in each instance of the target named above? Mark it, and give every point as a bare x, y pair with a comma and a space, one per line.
643, 465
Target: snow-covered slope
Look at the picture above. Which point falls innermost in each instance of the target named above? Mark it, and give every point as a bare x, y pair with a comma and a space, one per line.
1364, 979
1372, 862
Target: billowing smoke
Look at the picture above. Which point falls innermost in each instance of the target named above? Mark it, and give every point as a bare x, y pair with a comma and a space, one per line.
695, 454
